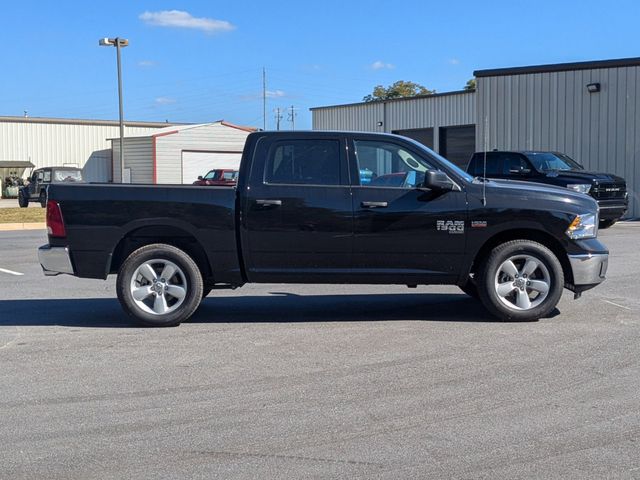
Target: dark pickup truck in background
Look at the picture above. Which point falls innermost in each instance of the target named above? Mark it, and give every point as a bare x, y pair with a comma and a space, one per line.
308, 208
553, 168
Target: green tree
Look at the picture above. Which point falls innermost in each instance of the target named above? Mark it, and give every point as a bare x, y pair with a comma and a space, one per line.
471, 84
399, 89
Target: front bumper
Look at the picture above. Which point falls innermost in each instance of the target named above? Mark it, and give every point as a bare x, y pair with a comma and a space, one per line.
55, 260
612, 209
589, 269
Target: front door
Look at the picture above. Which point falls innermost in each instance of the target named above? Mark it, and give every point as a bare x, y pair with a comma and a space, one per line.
299, 221
403, 234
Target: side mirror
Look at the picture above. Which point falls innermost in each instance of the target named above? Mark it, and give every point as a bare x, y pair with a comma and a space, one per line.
438, 180
199, 177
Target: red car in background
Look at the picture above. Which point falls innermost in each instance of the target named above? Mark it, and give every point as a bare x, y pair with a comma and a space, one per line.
223, 177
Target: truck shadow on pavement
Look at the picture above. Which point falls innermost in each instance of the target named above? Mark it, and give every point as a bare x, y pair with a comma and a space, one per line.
275, 308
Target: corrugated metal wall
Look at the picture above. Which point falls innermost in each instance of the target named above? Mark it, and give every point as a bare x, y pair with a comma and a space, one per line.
554, 111
56, 144
137, 157
423, 112
207, 138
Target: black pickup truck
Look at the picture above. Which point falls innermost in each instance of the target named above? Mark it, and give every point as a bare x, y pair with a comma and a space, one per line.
329, 207
554, 168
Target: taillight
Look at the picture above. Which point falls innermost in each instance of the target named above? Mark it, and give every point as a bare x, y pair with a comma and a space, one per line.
55, 224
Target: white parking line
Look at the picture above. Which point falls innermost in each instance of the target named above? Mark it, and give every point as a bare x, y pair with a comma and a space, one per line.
11, 272
612, 303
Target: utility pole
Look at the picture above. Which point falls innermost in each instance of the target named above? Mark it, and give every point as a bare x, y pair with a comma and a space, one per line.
264, 98
278, 118
292, 117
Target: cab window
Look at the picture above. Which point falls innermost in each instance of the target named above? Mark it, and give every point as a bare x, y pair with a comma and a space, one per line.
383, 164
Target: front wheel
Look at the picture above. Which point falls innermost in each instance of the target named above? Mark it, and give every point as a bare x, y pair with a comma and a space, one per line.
159, 285
521, 280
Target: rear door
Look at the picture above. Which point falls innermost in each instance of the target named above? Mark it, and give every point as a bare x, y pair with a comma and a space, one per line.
297, 221
402, 234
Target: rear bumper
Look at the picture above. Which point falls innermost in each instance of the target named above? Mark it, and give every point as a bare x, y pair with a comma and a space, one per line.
589, 268
55, 260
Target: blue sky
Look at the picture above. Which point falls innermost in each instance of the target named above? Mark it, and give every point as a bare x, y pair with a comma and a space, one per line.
199, 61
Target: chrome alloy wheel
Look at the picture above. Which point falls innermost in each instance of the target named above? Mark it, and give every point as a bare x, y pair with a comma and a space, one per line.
522, 282
158, 287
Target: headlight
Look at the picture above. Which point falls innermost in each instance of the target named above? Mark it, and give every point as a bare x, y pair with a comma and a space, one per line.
580, 187
583, 226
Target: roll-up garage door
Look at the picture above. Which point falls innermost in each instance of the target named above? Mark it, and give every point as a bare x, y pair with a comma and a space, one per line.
199, 163
457, 144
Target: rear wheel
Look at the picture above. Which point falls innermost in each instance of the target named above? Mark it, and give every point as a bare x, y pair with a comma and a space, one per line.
43, 199
159, 285
22, 200
521, 280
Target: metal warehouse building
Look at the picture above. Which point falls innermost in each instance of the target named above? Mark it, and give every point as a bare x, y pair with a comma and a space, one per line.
179, 154
589, 110
47, 142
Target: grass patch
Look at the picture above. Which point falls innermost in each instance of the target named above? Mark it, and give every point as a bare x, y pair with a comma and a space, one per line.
22, 215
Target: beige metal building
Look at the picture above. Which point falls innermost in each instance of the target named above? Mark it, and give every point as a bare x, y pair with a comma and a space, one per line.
179, 154
47, 142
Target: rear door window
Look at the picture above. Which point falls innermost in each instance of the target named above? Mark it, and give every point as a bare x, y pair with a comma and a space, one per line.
494, 164
304, 162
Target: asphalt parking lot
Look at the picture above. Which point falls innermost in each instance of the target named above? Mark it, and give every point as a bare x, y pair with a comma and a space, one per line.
286, 381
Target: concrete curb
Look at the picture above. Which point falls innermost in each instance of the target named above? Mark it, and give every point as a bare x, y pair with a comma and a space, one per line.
7, 227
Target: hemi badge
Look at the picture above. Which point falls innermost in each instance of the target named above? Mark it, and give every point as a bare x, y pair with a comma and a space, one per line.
478, 224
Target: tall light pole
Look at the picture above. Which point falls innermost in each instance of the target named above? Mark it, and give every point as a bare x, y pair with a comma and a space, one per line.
118, 43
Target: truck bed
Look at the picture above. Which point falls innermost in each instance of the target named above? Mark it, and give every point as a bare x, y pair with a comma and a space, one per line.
100, 216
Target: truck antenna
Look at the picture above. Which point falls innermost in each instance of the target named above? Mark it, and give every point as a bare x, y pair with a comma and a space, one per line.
484, 163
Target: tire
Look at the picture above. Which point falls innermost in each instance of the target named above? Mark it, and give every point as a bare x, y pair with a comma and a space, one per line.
521, 280
22, 201
43, 198
147, 295
470, 289
606, 223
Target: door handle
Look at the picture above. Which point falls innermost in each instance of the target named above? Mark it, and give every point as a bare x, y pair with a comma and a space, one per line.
374, 204
269, 203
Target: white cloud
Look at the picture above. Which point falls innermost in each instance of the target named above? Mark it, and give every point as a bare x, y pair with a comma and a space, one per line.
146, 63
275, 94
380, 65
454, 61
181, 19
164, 101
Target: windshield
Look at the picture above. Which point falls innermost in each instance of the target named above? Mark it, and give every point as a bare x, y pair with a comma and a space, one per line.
67, 176
547, 161
457, 170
